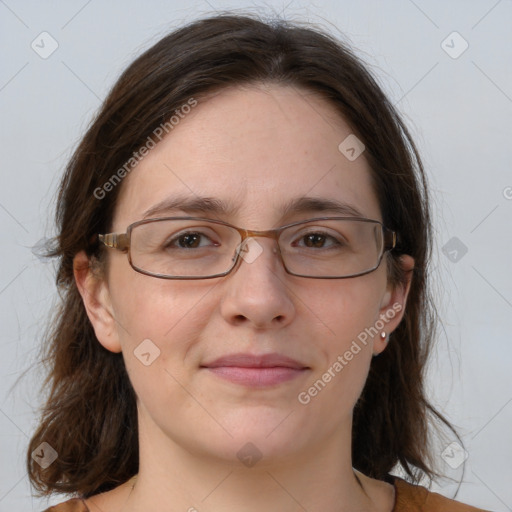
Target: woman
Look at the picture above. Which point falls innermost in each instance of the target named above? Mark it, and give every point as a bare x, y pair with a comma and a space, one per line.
244, 245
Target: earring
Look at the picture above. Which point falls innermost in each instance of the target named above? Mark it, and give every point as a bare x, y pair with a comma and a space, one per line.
384, 337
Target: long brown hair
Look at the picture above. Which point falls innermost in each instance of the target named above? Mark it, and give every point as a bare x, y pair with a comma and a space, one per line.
90, 415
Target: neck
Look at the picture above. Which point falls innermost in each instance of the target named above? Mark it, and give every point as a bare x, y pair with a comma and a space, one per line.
178, 479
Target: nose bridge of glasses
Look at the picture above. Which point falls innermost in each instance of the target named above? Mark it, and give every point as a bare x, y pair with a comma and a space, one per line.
246, 234
250, 249
251, 233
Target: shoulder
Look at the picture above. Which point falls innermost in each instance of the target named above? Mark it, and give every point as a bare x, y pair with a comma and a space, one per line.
415, 498
73, 505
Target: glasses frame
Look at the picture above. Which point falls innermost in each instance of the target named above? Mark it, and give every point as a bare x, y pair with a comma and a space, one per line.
121, 242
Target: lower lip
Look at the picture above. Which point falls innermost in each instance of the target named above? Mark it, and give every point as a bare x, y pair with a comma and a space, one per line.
257, 377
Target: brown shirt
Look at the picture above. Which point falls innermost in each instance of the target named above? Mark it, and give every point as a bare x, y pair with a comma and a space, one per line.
408, 498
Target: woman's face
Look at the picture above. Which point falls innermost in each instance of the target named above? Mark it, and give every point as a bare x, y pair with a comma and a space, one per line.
255, 150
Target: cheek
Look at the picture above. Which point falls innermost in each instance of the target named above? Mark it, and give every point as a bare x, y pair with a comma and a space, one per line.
346, 307
158, 317
162, 322
347, 312
344, 348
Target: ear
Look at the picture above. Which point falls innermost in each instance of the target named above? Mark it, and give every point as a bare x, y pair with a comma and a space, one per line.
393, 305
96, 298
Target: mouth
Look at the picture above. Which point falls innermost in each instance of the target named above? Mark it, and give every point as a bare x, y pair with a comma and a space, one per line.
256, 370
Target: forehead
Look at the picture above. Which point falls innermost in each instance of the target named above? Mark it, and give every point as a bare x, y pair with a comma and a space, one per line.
254, 150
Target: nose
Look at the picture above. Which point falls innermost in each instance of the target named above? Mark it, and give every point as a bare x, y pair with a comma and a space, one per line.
256, 291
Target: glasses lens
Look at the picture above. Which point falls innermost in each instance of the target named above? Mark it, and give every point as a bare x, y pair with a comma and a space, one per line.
195, 248
332, 248
183, 248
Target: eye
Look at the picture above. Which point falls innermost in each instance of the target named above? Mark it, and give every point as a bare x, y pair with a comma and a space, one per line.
319, 240
189, 240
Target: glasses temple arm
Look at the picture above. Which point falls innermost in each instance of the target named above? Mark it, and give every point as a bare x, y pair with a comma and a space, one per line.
118, 241
390, 239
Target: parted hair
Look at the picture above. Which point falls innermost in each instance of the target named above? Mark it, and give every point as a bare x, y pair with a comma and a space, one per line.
89, 413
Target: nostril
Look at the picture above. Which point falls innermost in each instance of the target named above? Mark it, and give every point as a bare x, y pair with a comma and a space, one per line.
240, 319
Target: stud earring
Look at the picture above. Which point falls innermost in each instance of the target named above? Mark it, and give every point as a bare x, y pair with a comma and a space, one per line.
384, 336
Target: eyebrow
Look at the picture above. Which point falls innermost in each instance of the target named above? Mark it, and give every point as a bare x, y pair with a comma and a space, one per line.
214, 206
192, 205
320, 204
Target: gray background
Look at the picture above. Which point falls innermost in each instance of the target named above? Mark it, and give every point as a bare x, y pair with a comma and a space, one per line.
459, 110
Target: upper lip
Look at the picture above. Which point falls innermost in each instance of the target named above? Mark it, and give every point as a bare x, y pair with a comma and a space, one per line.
255, 361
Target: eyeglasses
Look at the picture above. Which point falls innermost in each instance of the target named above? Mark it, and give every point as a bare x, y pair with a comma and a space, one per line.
196, 248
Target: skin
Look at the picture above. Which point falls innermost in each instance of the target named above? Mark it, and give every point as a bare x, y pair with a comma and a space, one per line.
258, 148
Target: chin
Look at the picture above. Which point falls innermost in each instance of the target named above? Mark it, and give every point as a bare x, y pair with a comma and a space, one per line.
262, 436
